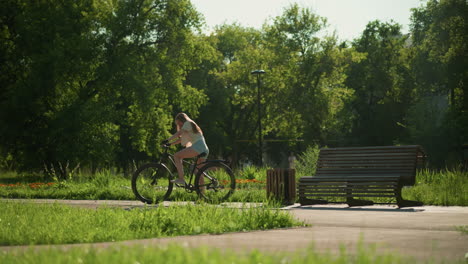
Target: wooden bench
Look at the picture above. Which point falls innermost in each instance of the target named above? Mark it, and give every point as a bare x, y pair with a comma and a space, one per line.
358, 172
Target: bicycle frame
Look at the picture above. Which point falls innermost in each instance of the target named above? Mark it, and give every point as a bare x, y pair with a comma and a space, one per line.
210, 179
191, 165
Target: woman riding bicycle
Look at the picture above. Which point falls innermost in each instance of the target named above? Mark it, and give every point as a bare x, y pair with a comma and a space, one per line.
212, 180
189, 135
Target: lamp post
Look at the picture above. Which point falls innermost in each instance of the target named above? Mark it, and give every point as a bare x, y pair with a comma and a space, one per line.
260, 158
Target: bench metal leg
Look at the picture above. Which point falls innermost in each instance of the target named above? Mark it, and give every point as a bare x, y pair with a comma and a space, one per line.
408, 203
405, 203
305, 201
355, 202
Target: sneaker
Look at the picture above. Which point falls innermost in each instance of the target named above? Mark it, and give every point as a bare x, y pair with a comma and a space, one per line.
179, 181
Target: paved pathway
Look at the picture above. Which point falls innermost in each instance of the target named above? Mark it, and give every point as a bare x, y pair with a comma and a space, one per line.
425, 233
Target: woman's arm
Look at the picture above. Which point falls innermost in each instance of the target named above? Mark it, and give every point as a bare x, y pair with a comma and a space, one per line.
176, 142
177, 136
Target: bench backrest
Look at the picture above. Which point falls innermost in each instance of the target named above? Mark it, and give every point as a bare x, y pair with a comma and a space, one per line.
371, 161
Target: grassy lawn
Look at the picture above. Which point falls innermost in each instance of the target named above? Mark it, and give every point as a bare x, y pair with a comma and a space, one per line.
446, 187
34, 224
175, 254
31, 224
105, 186
462, 229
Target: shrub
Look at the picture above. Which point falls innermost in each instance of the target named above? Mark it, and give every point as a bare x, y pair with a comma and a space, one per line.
306, 162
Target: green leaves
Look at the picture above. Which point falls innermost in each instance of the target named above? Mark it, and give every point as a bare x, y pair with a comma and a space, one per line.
98, 82
381, 84
101, 73
303, 76
439, 68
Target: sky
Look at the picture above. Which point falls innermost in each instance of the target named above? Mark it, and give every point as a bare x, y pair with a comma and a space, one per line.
347, 17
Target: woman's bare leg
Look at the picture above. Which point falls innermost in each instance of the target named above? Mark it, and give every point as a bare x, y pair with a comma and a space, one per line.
179, 156
202, 179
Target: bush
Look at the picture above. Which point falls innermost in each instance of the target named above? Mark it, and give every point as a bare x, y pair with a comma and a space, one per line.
253, 173
307, 162
102, 178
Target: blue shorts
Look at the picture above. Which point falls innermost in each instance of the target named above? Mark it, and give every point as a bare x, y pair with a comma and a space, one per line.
200, 147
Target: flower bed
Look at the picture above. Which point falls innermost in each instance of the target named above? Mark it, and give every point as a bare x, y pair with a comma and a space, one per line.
34, 185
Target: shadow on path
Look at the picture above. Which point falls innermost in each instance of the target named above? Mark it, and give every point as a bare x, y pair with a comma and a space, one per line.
395, 210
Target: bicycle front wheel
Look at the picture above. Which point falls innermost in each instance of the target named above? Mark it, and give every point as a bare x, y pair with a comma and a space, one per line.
151, 183
215, 182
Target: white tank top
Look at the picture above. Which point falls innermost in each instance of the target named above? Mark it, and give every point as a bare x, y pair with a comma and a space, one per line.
187, 134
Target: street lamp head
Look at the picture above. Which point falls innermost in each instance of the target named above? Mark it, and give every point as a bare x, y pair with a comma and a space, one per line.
258, 72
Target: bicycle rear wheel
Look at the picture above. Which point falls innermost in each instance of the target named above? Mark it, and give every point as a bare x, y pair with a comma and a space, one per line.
151, 183
215, 182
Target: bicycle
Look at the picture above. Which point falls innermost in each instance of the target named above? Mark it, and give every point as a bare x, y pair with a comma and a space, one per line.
213, 179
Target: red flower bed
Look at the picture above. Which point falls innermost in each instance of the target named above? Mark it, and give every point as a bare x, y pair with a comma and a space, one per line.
34, 185
248, 181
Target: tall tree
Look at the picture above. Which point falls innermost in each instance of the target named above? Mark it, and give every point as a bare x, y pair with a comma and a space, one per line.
95, 81
49, 52
301, 93
311, 69
232, 108
439, 120
382, 85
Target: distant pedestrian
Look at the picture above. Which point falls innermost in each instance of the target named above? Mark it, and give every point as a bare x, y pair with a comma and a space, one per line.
292, 160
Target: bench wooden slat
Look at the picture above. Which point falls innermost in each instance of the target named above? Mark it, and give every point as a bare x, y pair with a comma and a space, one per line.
353, 155
388, 176
367, 162
380, 169
350, 177
354, 187
360, 172
382, 148
368, 150
341, 194
344, 195
355, 180
350, 169
377, 156
333, 174
364, 157
377, 181
349, 194
345, 187
336, 187
340, 180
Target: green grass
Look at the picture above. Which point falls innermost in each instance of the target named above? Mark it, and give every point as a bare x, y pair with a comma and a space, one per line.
462, 229
176, 254
252, 172
102, 185
119, 189
28, 224
444, 187
106, 186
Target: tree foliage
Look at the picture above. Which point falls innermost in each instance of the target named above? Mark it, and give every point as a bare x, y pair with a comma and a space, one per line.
97, 82
439, 66
382, 85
